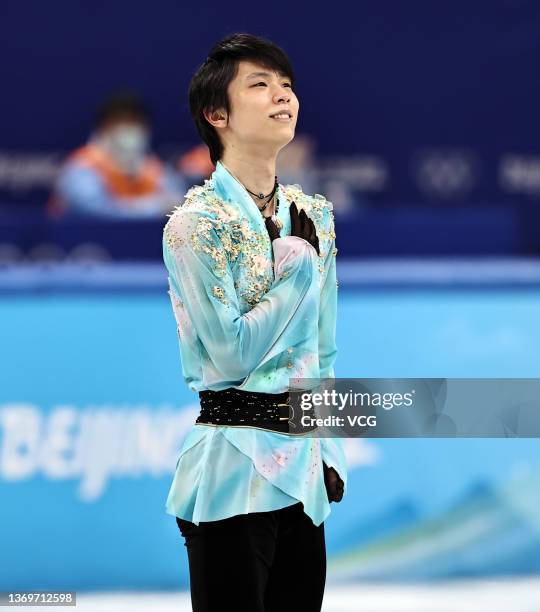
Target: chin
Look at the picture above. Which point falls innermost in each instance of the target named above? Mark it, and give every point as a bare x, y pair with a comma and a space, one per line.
289, 139
280, 139
286, 139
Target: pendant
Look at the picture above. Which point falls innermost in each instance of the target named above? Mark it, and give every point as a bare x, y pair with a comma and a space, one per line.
277, 222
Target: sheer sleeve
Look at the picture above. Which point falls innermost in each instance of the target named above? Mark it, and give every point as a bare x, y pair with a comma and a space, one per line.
332, 449
201, 277
328, 314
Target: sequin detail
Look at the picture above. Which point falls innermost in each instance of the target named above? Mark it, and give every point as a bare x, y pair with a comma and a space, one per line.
218, 293
239, 240
219, 349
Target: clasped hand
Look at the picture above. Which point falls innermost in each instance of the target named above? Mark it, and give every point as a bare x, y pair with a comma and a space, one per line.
301, 226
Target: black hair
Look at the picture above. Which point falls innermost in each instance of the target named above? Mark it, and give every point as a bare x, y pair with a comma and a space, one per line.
120, 105
208, 89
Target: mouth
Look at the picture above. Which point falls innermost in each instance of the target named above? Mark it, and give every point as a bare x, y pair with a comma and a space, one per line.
284, 116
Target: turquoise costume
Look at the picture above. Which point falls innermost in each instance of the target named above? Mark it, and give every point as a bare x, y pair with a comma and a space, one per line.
250, 314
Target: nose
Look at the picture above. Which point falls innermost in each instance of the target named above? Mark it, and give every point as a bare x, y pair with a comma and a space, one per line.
282, 95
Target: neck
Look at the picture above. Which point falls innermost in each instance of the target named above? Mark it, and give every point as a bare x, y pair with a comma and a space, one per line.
256, 174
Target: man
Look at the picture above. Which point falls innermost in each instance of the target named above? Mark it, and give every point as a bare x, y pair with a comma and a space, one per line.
252, 278
114, 174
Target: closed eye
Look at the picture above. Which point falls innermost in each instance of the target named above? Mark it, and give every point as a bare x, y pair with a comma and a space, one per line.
263, 83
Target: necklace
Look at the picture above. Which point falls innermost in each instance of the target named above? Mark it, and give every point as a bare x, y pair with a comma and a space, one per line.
261, 196
277, 222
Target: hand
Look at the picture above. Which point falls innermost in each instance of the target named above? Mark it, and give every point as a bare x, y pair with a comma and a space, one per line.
333, 483
272, 229
303, 226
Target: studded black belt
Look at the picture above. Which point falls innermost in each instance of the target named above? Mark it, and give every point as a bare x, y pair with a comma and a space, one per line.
238, 408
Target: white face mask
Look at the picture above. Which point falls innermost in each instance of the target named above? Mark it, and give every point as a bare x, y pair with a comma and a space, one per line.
128, 144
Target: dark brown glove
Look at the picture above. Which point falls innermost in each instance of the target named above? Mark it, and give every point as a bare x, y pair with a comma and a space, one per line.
334, 484
301, 226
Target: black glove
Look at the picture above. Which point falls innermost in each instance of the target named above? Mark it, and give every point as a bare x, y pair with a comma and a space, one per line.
301, 226
333, 483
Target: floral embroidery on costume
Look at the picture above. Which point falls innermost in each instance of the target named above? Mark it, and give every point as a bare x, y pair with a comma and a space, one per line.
219, 294
250, 314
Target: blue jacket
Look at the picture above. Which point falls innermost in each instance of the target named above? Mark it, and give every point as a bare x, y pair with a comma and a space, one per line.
250, 314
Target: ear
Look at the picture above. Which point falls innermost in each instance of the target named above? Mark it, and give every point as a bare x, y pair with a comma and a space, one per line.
216, 118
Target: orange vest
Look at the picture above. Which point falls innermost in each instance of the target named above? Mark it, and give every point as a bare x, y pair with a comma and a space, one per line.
119, 184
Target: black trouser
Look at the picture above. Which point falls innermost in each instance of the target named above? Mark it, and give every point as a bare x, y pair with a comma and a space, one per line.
258, 562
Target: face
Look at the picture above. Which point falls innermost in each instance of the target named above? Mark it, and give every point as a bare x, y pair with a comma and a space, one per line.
255, 94
127, 140
127, 133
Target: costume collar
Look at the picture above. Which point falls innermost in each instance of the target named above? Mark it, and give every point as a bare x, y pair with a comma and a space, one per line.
230, 189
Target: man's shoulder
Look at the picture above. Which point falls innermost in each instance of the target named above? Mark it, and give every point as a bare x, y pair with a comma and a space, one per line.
201, 207
317, 206
199, 199
317, 203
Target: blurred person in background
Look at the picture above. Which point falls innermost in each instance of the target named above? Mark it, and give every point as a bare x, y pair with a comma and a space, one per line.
115, 174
